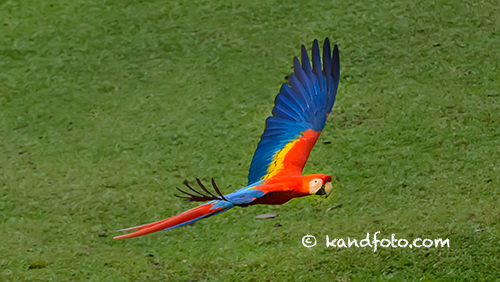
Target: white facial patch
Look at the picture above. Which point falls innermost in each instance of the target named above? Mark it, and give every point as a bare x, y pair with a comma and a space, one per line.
315, 185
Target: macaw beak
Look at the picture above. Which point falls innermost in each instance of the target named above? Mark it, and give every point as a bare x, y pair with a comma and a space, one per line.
325, 190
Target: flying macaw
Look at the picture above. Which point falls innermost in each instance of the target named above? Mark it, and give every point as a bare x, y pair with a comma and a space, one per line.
298, 117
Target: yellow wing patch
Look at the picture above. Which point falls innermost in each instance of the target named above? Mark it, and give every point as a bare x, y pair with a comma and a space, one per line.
277, 163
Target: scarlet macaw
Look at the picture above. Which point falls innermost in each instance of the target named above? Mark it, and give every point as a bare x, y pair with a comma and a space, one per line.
298, 117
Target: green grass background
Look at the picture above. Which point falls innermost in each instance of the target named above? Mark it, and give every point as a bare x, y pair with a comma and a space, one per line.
106, 106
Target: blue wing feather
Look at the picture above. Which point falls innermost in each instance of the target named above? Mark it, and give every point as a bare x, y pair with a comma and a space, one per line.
286, 109
301, 106
244, 196
306, 64
302, 77
290, 94
316, 60
299, 90
335, 73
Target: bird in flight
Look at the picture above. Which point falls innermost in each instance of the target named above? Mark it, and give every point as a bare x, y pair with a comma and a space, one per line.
298, 117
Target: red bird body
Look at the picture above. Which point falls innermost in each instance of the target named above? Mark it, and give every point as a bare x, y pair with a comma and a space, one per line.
275, 177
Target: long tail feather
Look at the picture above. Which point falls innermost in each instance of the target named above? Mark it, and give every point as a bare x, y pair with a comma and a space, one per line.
190, 216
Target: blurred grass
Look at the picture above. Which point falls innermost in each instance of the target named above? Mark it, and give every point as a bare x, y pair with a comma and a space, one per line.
106, 106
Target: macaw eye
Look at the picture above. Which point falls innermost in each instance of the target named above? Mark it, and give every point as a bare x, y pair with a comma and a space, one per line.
315, 183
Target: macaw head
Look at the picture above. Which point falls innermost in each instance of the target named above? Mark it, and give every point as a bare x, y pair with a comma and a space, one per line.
318, 184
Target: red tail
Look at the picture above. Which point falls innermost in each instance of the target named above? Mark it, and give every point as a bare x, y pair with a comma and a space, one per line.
186, 217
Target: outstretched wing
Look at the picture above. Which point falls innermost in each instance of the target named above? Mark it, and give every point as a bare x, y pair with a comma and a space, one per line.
242, 196
299, 115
